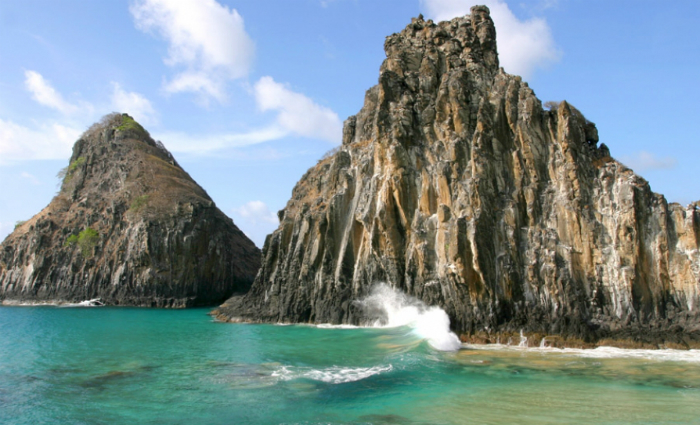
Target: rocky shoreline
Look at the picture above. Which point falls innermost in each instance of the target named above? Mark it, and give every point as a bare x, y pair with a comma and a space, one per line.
650, 339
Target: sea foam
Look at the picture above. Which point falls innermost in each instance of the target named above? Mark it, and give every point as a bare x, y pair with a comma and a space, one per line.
603, 352
692, 356
388, 307
95, 302
331, 375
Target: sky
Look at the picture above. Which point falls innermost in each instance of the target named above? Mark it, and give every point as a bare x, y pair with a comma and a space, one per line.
248, 95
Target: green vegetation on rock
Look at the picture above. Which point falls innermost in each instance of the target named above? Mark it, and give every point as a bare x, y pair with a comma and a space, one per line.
71, 240
67, 172
129, 123
19, 223
86, 241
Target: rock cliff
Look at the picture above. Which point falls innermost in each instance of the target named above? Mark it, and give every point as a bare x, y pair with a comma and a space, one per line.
128, 226
455, 185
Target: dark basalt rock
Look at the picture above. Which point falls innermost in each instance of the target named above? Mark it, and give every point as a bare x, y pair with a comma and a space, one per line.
129, 226
454, 185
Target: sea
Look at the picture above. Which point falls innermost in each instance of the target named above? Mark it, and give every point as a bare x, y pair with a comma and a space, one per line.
74, 364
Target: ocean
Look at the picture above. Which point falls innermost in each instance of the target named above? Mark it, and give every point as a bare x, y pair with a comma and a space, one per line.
107, 365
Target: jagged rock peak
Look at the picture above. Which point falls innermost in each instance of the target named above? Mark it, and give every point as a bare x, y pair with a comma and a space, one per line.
454, 185
128, 226
471, 38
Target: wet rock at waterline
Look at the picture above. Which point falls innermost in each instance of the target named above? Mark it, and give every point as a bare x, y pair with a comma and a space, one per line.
128, 227
456, 186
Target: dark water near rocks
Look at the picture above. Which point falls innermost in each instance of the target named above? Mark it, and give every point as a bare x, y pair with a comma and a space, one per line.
122, 365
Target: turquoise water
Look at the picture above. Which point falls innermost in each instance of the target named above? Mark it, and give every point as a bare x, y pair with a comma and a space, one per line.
122, 365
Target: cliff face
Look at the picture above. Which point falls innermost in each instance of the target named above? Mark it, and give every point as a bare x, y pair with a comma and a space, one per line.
454, 185
128, 226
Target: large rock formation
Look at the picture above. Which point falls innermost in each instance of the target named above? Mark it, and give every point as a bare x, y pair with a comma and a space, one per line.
128, 226
454, 185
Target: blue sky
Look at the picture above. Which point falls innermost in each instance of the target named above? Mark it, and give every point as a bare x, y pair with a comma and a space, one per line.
249, 94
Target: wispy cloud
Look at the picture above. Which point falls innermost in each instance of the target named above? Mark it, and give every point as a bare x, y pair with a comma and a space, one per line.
256, 212
44, 93
47, 141
647, 161
134, 104
523, 45
205, 39
210, 143
256, 220
53, 139
297, 114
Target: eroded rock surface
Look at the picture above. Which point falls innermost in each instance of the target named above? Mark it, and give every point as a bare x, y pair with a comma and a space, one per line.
129, 226
455, 185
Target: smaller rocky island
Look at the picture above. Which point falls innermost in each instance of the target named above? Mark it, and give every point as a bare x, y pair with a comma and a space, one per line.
129, 226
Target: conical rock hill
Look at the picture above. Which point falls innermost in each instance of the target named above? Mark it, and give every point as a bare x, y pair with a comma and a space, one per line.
128, 226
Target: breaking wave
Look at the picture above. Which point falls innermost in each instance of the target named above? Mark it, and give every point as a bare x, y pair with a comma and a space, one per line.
95, 302
388, 307
331, 375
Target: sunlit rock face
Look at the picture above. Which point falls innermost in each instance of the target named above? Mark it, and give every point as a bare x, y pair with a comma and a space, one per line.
128, 226
455, 185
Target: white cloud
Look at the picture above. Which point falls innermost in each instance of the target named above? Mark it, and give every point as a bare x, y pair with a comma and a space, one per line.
256, 221
205, 38
197, 82
298, 114
523, 46
48, 141
257, 212
646, 161
53, 140
45, 94
206, 144
134, 104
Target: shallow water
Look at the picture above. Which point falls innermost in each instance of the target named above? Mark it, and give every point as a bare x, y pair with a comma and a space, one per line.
122, 365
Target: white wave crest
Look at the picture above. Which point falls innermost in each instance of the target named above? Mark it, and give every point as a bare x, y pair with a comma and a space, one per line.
329, 326
603, 352
331, 375
658, 355
388, 307
95, 302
